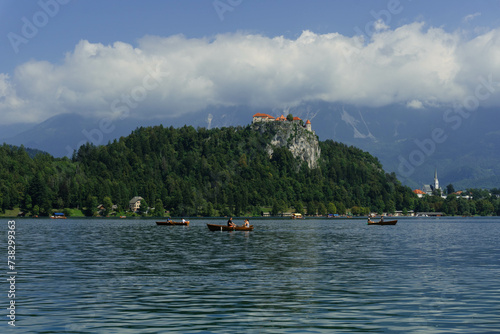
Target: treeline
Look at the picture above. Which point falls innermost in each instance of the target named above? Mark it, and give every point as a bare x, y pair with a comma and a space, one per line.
474, 202
200, 172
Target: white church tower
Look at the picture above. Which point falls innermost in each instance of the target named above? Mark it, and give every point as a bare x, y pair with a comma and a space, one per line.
436, 182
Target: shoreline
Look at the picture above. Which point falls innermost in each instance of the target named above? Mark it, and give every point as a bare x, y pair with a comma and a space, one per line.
247, 217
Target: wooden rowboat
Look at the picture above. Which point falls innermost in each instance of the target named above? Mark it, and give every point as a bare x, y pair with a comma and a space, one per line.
385, 222
214, 227
173, 223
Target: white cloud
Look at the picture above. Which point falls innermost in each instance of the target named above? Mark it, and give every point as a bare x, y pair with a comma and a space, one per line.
471, 17
415, 104
175, 75
10, 103
380, 25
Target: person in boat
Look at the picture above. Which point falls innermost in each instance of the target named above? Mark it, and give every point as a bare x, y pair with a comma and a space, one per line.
169, 219
381, 219
246, 223
230, 222
183, 220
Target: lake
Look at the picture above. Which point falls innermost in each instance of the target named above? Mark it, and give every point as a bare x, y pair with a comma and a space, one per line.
423, 275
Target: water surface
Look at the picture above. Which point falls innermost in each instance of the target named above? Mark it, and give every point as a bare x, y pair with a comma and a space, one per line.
423, 275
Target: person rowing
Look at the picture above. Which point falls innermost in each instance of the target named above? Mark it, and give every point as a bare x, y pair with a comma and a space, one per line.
230, 222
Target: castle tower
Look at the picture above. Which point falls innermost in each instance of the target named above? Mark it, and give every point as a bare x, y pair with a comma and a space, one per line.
308, 125
436, 182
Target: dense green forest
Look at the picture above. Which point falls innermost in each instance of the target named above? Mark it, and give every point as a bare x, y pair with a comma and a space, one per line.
217, 172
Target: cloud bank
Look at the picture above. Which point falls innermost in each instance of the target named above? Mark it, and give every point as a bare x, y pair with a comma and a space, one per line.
414, 65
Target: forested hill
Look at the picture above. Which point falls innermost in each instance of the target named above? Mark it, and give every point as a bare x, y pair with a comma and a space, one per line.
226, 171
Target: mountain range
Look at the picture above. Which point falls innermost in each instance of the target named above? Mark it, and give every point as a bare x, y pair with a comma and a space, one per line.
463, 148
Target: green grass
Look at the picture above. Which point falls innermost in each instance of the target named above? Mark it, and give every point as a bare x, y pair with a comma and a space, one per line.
75, 212
11, 213
15, 212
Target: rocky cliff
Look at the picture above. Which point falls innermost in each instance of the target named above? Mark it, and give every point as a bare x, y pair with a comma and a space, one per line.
303, 144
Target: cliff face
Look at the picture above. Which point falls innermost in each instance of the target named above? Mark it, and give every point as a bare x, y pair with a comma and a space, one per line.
301, 143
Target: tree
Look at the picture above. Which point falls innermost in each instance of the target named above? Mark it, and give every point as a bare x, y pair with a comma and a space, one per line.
331, 208
391, 207
91, 206
356, 210
322, 211
450, 206
36, 210
365, 211
67, 212
27, 203
299, 207
436, 192
46, 208
485, 207
38, 190
311, 208
242, 161
143, 208
159, 209
225, 212
278, 207
289, 117
341, 209
108, 205
450, 189
209, 210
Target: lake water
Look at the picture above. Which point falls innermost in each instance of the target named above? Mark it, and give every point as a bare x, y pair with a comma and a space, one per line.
424, 275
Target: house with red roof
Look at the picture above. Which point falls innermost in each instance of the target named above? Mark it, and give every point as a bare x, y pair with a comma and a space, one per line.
260, 117
419, 193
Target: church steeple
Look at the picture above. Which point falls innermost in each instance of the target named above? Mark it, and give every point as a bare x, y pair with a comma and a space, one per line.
436, 182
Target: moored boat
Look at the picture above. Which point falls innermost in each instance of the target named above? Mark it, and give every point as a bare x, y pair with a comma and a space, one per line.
215, 227
173, 223
383, 222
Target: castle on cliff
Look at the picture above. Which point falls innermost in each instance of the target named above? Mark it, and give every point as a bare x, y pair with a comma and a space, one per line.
260, 117
292, 133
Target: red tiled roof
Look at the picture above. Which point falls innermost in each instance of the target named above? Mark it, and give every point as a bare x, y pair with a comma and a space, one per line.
296, 118
263, 115
308, 122
418, 191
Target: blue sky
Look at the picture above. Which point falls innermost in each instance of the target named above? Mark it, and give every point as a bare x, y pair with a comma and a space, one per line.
109, 21
74, 44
